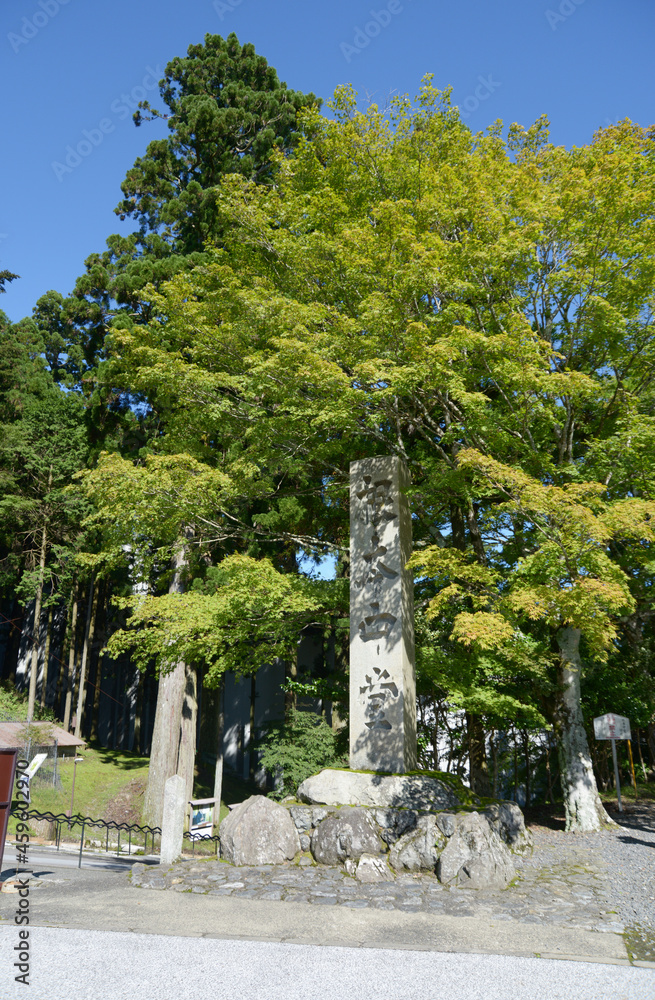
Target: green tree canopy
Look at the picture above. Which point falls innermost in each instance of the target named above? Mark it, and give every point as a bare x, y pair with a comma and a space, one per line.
480, 306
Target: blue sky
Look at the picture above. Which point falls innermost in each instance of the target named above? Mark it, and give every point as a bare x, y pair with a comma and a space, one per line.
74, 67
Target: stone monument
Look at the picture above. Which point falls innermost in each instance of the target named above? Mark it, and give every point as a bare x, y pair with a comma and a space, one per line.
172, 824
382, 677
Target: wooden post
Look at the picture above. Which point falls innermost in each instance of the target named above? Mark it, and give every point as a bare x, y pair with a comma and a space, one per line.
632, 767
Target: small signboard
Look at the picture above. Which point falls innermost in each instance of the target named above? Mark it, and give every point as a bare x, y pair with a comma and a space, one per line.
202, 818
37, 760
612, 727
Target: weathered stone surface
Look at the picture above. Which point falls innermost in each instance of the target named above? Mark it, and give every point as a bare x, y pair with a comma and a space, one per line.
382, 680
475, 856
358, 788
446, 823
394, 822
347, 833
172, 824
372, 868
419, 849
258, 832
307, 817
506, 819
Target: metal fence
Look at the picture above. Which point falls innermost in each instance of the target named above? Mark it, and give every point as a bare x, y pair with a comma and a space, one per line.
135, 832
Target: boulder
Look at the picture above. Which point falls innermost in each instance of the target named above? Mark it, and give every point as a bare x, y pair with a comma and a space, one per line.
307, 817
475, 856
446, 823
394, 823
372, 868
258, 832
386, 791
347, 833
420, 848
506, 819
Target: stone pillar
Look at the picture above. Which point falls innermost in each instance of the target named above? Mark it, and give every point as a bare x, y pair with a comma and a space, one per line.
382, 676
172, 824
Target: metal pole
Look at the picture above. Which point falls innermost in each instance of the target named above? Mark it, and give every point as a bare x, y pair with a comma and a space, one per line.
616, 775
79, 863
72, 791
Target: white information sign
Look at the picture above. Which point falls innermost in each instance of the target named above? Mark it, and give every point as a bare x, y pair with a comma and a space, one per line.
612, 727
202, 818
37, 760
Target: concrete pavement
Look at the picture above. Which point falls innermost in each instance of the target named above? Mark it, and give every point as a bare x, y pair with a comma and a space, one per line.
93, 936
97, 965
102, 900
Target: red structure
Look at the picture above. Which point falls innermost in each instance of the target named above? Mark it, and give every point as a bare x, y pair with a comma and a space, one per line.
7, 774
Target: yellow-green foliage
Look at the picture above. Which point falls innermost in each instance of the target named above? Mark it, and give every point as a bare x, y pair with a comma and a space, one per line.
481, 306
253, 614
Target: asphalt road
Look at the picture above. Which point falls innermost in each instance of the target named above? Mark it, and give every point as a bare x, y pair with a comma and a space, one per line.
101, 965
47, 859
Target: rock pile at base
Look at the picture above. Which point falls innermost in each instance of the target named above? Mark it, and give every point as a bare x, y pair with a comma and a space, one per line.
259, 832
396, 823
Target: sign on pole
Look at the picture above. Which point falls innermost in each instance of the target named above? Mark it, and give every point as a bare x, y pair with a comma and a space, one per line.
613, 727
202, 818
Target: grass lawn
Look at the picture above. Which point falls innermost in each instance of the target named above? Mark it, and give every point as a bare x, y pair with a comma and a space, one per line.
109, 784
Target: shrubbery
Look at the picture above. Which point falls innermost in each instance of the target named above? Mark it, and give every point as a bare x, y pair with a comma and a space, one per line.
300, 746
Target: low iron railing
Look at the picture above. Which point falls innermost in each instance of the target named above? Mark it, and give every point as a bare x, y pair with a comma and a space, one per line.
62, 821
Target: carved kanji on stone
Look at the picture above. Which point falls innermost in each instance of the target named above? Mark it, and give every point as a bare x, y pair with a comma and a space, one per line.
379, 690
376, 626
382, 685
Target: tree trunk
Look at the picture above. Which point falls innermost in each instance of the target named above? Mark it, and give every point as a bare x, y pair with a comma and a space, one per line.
71, 665
528, 776
218, 773
651, 741
100, 659
61, 672
138, 712
165, 745
173, 744
88, 639
479, 772
36, 628
188, 729
95, 714
251, 728
46, 659
583, 807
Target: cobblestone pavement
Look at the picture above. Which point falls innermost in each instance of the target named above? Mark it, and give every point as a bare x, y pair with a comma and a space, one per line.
560, 882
